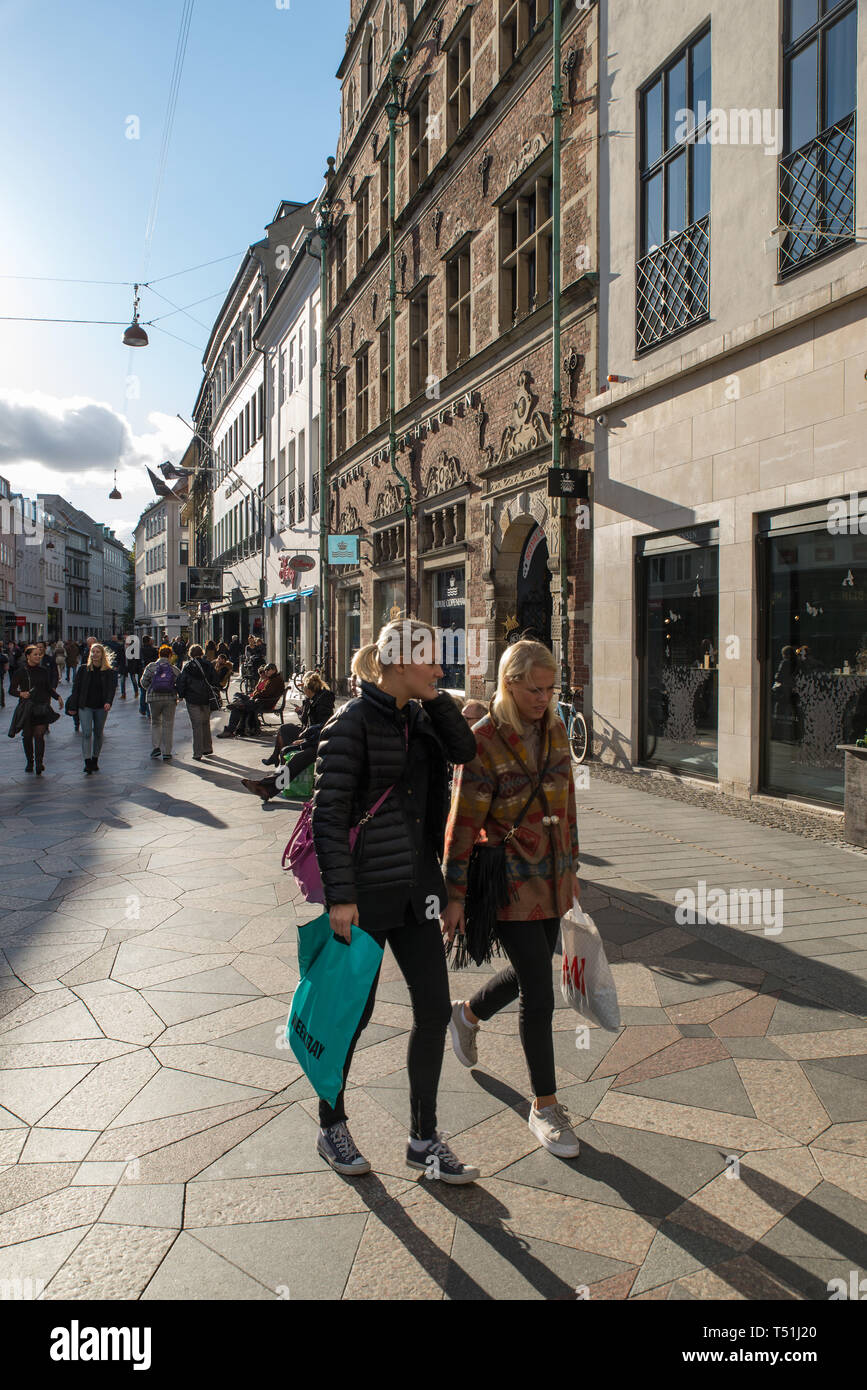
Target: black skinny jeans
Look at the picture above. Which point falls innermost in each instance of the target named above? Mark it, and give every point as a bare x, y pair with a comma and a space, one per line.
418, 949
530, 948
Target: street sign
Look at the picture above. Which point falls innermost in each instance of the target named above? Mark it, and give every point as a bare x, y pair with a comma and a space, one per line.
204, 609
568, 482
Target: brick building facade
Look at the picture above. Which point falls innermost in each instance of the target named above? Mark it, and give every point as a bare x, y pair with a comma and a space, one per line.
474, 325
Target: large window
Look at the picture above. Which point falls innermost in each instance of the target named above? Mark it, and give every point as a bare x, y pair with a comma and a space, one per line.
418, 143
383, 193
362, 380
340, 260
673, 272
679, 612
448, 606
458, 83
519, 20
418, 343
817, 172
362, 224
340, 412
526, 266
813, 602
458, 318
384, 364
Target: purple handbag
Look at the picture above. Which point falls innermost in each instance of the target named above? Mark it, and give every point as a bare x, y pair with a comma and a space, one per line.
299, 856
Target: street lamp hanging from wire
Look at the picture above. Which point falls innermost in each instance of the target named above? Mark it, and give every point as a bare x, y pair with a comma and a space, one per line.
135, 335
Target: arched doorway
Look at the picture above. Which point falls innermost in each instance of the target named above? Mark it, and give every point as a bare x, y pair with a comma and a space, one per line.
535, 604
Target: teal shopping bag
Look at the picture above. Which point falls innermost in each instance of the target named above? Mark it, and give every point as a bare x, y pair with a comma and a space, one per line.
329, 1000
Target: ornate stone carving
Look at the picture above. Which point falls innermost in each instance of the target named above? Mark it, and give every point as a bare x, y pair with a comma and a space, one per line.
402, 263
485, 169
373, 303
530, 150
388, 502
529, 428
437, 221
481, 418
349, 521
446, 473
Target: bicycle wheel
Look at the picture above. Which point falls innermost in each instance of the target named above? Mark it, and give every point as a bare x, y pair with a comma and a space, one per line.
579, 740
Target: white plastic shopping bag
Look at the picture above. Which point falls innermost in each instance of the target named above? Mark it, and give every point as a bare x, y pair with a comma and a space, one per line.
586, 981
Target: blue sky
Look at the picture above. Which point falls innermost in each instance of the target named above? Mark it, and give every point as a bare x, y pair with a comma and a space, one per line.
257, 116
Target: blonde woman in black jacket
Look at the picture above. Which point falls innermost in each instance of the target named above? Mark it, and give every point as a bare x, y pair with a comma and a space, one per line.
93, 692
398, 737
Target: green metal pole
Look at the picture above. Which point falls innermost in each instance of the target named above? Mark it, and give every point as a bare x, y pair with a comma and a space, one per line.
324, 509
392, 110
557, 402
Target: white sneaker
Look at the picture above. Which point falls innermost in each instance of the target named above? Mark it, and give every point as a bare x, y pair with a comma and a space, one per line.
553, 1128
463, 1035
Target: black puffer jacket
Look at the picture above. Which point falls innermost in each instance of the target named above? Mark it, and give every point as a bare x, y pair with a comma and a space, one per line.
362, 752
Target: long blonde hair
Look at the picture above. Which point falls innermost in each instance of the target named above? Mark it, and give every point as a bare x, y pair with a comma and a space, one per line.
516, 663
397, 644
107, 658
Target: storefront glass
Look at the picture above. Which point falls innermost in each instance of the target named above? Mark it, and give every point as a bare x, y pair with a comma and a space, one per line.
448, 606
389, 603
814, 681
350, 603
292, 639
679, 675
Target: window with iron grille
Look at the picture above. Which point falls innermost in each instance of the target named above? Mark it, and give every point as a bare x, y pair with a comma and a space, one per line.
340, 260
817, 172
340, 412
458, 83
519, 20
526, 240
362, 224
418, 343
384, 364
300, 500
458, 303
314, 493
362, 380
673, 270
418, 143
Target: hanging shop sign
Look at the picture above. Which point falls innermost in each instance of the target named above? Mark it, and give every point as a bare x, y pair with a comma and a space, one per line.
343, 550
204, 584
568, 482
302, 563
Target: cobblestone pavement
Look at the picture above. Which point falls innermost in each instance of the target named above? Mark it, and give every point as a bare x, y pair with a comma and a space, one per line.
156, 1143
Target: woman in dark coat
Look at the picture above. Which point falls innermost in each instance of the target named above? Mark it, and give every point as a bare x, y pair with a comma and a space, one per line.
196, 684
397, 738
93, 692
35, 687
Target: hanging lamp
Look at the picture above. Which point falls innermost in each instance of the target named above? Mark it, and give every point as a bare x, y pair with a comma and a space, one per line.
114, 495
135, 335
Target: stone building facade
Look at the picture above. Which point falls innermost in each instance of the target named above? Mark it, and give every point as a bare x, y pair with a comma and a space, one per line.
480, 548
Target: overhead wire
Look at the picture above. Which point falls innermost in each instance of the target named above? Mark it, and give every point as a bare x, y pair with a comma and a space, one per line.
171, 108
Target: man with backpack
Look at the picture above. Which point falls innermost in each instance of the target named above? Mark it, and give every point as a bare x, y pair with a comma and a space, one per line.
160, 680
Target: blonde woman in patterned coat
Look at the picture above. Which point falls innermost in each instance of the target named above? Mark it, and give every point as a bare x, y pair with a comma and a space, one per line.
520, 741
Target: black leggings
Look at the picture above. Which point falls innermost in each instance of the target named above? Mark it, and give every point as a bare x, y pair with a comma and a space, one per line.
530, 948
37, 735
418, 949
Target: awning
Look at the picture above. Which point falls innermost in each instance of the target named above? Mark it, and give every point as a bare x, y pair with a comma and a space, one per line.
289, 598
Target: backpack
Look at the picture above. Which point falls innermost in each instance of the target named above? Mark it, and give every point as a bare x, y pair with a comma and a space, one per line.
163, 682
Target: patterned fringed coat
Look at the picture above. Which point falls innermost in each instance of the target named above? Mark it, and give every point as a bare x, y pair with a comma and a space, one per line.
489, 794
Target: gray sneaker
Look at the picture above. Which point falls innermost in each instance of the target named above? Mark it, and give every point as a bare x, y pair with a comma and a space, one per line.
463, 1035
337, 1147
553, 1128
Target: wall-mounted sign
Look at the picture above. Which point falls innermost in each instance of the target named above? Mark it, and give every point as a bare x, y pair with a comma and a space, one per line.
568, 482
343, 550
302, 563
204, 584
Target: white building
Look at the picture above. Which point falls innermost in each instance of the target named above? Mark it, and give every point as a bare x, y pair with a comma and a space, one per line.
289, 335
235, 392
29, 570
116, 563
161, 561
729, 614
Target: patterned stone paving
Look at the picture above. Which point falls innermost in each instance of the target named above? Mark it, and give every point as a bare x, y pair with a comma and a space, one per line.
156, 1143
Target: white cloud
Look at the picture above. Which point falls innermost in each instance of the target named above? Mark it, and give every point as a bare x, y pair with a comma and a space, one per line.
81, 436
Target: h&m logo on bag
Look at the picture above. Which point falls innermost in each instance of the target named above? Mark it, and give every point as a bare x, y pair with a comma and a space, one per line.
573, 973
314, 1047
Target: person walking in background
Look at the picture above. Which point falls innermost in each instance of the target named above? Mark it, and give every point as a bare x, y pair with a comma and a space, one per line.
148, 653
92, 696
47, 660
32, 683
392, 746
4, 667
235, 651
117, 647
72, 652
210, 650
519, 790
160, 679
179, 647
197, 684
132, 647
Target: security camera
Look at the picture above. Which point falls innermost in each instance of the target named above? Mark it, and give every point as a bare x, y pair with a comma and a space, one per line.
602, 420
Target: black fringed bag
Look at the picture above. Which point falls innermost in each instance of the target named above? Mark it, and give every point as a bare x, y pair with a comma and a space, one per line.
487, 892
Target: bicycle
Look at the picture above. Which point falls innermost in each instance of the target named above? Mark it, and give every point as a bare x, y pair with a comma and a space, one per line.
576, 725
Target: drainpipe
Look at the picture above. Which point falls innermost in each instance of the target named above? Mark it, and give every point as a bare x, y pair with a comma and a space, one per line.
393, 108
324, 225
557, 400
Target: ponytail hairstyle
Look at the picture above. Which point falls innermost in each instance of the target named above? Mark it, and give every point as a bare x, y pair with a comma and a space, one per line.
400, 643
516, 663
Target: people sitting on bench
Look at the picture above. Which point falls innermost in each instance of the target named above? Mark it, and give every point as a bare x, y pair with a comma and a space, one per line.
245, 710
